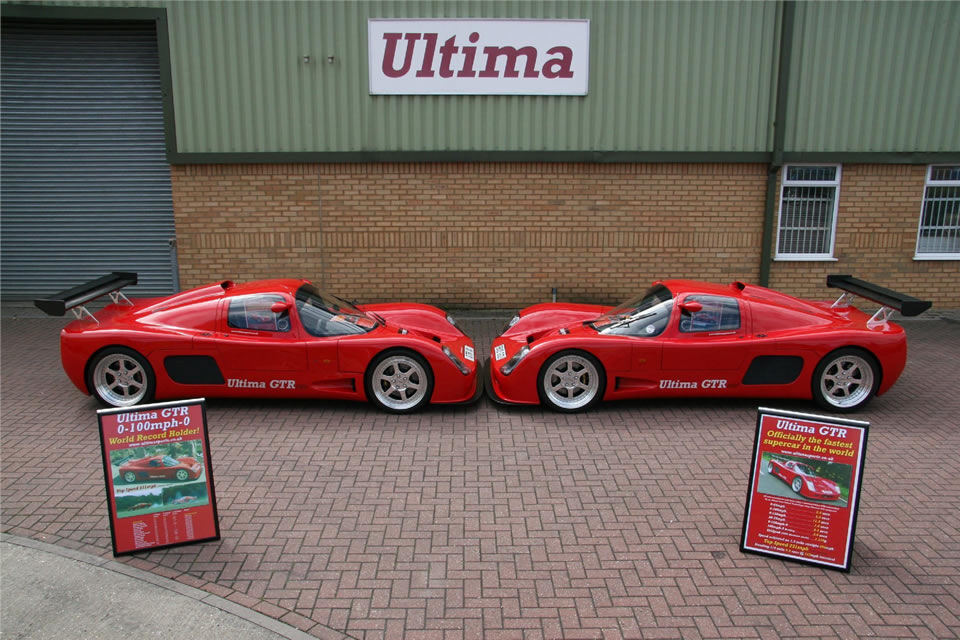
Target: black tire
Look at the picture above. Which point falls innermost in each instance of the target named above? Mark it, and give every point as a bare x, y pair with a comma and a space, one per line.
399, 381
129, 477
591, 389
796, 485
845, 380
120, 377
769, 467
182, 475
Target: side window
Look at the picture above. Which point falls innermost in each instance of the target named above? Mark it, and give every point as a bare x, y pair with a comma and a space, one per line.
253, 312
718, 314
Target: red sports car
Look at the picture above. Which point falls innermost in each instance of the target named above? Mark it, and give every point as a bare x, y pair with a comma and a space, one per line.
271, 339
803, 480
160, 467
683, 339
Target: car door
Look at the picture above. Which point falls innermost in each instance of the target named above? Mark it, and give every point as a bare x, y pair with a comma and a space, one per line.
259, 347
322, 342
707, 346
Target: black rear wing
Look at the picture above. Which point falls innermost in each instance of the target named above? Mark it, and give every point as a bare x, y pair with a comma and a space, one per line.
906, 305
74, 299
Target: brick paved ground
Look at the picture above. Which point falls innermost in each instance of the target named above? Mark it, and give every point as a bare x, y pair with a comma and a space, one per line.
484, 522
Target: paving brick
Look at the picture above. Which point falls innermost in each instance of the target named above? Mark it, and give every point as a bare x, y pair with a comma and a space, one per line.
514, 523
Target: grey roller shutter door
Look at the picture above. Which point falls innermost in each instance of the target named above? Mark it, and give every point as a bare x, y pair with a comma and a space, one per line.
84, 182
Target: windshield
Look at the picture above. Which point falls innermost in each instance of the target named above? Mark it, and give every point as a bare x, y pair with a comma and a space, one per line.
323, 314
645, 315
804, 469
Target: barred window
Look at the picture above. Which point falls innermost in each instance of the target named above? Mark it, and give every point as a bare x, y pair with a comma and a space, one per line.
808, 212
939, 233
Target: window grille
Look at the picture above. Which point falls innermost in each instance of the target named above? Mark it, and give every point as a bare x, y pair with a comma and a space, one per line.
939, 234
808, 212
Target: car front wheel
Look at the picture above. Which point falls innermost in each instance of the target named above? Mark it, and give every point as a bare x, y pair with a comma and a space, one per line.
571, 381
120, 377
797, 485
182, 475
129, 477
845, 380
399, 381
770, 468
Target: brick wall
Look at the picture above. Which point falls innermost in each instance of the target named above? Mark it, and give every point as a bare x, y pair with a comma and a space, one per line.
496, 235
877, 221
501, 235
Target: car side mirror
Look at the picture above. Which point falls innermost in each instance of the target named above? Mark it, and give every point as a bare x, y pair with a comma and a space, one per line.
280, 307
692, 307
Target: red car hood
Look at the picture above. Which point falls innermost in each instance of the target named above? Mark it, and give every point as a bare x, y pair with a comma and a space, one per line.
822, 484
423, 318
549, 316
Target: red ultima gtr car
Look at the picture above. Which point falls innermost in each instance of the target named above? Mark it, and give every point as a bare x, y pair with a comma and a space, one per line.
684, 338
269, 339
803, 480
160, 467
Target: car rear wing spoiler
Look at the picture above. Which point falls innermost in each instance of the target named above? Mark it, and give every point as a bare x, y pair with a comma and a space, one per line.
74, 299
890, 300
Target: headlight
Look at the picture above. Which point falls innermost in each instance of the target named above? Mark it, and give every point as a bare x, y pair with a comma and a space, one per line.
512, 363
514, 320
810, 485
455, 360
451, 320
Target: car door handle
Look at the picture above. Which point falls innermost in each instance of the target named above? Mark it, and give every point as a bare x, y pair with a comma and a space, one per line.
722, 333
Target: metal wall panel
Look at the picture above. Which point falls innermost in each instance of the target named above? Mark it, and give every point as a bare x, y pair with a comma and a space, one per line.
664, 76
85, 185
875, 76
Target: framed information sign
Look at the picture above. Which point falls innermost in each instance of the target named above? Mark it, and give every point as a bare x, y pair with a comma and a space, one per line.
804, 488
158, 476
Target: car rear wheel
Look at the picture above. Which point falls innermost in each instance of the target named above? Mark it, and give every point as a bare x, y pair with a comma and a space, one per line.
120, 377
129, 477
845, 380
571, 381
769, 467
182, 475
797, 485
399, 381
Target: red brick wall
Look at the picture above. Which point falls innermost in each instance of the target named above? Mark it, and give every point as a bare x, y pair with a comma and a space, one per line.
501, 235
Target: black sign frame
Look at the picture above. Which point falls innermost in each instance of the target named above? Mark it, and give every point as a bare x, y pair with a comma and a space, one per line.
211, 496
854, 489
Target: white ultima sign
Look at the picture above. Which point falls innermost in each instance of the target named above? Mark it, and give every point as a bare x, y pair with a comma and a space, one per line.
479, 57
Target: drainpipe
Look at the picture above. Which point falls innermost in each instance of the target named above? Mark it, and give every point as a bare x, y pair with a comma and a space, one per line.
779, 135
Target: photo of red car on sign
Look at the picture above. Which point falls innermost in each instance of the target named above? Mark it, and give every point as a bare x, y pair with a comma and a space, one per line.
266, 339
161, 468
683, 338
802, 478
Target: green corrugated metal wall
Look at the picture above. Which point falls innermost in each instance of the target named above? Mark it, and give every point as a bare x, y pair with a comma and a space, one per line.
877, 76
664, 76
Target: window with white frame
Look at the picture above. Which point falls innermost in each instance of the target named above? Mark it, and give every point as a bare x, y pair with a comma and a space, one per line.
808, 212
938, 237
